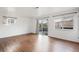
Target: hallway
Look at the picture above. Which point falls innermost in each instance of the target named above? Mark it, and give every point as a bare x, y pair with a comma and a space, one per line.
36, 43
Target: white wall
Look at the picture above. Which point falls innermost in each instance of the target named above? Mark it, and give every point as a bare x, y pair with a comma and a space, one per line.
22, 26
71, 35
34, 25
24, 21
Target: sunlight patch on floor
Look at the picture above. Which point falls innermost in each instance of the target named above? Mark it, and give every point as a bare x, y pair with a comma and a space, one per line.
42, 43
12, 47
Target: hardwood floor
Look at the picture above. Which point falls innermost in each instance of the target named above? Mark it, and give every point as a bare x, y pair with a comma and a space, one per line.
36, 43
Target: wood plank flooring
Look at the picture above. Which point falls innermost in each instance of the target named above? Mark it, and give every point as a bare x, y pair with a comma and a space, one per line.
36, 43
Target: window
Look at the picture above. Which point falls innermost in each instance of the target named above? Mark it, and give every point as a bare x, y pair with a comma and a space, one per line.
8, 20
64, 23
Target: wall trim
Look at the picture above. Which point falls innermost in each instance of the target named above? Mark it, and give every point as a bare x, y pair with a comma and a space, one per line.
19, 35
63, 39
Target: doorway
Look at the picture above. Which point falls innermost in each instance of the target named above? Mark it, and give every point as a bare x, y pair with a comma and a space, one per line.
43, 26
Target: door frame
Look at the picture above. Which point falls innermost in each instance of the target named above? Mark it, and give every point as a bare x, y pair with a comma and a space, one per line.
37, 26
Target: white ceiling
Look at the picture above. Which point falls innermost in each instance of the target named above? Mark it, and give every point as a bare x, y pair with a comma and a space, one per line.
18, 11
32, 11
45, 11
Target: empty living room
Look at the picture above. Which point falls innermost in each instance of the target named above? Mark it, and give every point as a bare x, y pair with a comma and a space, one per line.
39, 29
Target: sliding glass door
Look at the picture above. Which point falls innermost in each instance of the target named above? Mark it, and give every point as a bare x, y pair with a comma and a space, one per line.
43, 26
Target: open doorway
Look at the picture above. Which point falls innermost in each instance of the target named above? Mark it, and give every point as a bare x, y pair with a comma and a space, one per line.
42, 27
